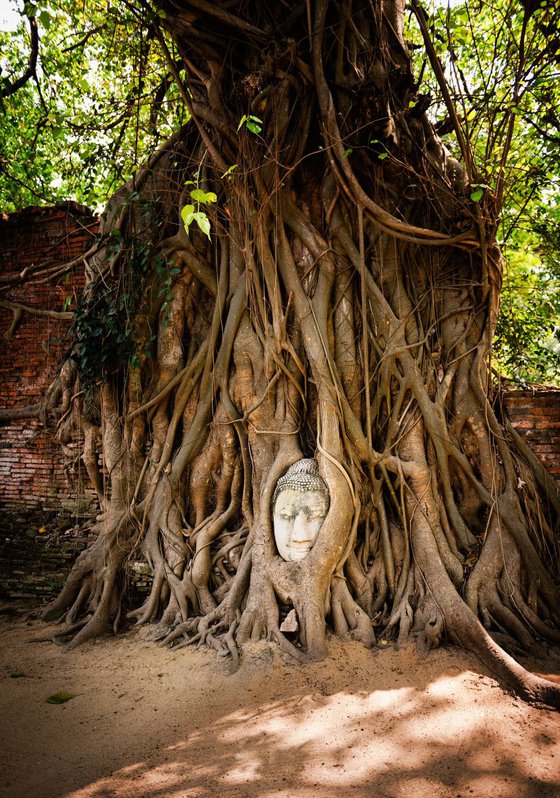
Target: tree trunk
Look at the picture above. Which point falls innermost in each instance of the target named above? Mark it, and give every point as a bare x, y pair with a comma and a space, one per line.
301, 273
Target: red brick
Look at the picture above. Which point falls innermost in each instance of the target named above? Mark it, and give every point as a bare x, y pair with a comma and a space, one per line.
31, 463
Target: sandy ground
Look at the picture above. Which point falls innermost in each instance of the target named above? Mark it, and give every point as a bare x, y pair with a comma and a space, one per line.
150, 722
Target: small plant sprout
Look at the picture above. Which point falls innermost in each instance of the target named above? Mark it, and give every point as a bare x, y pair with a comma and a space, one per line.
192, 213
379, 145
252, 123
230, 171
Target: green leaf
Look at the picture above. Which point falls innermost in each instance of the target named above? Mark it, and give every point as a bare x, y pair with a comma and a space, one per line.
59, 698
203, 196
479, 189
254, 127
29, 9
347, 152
198, 195
382, 156
229, 171
187, 215
45, 19
252, 123
203, 222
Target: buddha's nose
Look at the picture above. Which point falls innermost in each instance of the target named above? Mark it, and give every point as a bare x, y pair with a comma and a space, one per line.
301, 528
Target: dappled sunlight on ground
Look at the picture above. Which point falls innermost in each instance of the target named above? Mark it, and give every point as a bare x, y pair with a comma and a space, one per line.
153, 723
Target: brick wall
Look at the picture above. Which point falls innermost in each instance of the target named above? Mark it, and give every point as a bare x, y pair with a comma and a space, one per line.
33, 472
536, 415
37, 551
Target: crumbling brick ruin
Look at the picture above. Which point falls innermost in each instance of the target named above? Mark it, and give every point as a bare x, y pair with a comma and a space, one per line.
33, 471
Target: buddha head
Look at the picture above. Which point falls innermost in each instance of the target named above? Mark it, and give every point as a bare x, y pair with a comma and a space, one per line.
299, 506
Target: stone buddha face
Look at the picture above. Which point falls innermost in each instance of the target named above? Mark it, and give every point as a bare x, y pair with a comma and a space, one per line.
300, 505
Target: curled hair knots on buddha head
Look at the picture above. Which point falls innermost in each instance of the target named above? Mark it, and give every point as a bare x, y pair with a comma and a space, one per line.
303, 476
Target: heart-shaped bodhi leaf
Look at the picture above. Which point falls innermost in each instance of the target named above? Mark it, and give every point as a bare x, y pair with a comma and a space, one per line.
189, 215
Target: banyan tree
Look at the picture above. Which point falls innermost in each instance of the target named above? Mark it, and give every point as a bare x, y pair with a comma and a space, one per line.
297, 294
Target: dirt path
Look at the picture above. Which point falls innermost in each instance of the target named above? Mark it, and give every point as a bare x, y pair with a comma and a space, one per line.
149, 722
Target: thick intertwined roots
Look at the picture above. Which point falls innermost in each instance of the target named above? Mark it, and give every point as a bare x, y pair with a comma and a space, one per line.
343, 309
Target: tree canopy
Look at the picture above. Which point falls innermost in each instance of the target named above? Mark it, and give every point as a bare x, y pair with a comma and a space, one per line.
501, 62
96, 101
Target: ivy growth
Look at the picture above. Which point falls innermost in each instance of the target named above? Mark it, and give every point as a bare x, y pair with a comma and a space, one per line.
103, 330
